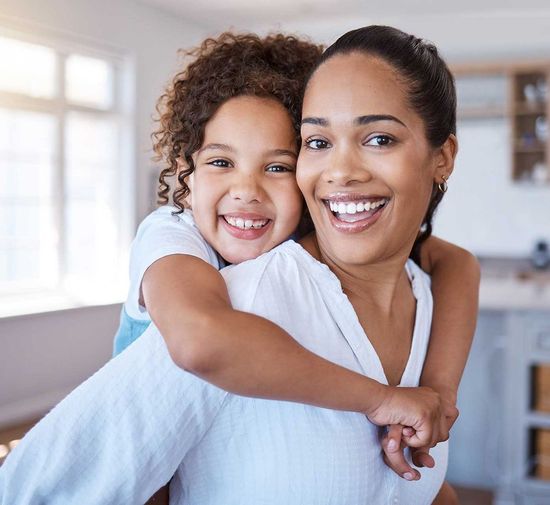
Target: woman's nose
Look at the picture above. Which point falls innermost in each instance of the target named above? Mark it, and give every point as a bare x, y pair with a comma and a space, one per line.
345, 167
247, 188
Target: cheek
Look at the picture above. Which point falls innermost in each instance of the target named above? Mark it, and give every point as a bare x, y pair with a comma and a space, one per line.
305, 180
290, 204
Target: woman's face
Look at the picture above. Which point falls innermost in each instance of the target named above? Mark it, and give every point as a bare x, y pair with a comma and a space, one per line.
243, 191
366, 169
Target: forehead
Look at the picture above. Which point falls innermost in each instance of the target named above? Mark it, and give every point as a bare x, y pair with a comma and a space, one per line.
251, 124
356, 84
251, 114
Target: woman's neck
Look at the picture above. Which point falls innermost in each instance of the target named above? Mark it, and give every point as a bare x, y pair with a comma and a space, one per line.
377, 284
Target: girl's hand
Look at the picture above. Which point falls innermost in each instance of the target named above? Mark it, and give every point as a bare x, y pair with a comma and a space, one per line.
418, 407
394, 456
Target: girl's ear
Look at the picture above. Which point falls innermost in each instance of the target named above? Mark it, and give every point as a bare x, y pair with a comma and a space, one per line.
446, 159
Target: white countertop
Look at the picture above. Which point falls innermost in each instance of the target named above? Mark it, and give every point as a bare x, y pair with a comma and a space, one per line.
513, 284
513, 294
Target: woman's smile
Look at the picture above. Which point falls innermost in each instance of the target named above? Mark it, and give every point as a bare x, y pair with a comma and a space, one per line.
365, 168
353, 213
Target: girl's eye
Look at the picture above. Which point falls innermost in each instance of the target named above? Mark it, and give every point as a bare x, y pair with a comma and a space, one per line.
379, 141
278, 169
316, 144
219, 163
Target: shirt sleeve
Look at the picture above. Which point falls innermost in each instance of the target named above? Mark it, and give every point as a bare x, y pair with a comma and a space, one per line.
118, 437
161, 234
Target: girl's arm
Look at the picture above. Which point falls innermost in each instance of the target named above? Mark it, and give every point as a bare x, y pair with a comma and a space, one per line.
455, 286
246, 354
242, 353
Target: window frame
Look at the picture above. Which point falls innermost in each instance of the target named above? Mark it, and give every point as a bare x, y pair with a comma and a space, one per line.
24, 299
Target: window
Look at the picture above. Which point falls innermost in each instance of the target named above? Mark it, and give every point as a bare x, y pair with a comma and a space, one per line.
65, 137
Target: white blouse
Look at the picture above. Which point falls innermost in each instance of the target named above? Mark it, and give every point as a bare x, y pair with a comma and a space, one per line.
140, 419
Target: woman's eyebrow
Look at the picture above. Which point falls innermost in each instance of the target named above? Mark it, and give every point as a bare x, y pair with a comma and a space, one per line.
318, 121
358, 121
372, 118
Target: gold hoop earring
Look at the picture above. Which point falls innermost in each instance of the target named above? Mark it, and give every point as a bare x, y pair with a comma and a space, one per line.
443, 186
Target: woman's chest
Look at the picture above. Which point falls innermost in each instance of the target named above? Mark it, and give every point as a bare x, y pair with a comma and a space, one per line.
390, 337
287, 453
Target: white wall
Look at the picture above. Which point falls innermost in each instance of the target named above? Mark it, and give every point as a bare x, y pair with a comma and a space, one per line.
484, 210
45, 355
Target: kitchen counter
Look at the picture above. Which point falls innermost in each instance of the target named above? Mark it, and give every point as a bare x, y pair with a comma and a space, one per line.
513, 284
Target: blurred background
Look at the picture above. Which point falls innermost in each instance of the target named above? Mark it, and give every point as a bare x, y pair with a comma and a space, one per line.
78, 84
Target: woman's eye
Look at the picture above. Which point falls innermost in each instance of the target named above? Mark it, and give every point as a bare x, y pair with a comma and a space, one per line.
219, 163
278, 168
379, 141
316, 144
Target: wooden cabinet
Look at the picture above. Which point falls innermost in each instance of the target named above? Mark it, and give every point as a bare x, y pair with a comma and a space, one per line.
523, 479
529, 118
519, 93
503, 430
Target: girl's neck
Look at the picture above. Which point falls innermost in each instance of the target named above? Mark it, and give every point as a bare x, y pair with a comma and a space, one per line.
377, 284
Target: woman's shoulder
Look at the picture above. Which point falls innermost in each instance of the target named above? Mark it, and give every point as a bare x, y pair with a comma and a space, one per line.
168, 216
276, 270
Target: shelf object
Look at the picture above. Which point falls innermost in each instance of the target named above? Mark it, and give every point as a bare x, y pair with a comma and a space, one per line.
519, 93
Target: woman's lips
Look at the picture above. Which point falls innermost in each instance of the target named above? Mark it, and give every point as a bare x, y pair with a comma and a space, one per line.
245, 226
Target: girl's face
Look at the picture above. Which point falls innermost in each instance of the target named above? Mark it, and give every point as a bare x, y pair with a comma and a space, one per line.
244, 195
366, 169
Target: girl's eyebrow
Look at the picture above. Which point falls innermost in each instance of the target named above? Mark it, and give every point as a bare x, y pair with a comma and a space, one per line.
225, 147
221, 147
360, 120
284, 152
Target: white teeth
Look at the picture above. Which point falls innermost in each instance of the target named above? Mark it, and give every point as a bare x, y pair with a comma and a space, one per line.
246, 224
354, 207
351, 208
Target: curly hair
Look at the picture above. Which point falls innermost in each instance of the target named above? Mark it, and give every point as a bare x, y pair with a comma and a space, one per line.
221, 68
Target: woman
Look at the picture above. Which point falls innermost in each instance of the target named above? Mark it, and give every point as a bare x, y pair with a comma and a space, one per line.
379, 143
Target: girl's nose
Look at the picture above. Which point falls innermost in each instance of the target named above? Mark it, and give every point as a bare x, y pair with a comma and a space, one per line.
247, 188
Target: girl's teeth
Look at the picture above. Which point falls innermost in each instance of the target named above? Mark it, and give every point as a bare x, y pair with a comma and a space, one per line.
246, 224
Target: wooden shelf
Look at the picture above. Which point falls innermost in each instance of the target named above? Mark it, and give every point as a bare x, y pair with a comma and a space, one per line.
482, 112
528, 99
523, 109
529, 150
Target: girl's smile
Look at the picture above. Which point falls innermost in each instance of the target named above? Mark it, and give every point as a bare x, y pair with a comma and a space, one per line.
243, 191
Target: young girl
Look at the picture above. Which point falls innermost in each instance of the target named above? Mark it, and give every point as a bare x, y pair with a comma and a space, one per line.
245, 202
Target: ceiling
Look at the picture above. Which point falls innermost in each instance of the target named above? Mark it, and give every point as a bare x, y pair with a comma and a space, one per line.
454, 24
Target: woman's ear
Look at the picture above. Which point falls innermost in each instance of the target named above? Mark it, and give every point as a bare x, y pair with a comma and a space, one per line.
446, 159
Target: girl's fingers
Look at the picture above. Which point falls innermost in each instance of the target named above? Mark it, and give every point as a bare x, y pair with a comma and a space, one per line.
421, 457
394, 456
